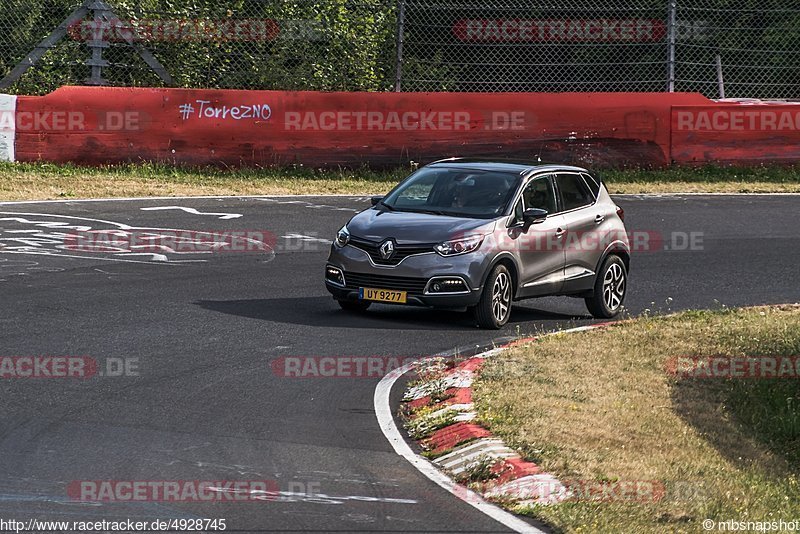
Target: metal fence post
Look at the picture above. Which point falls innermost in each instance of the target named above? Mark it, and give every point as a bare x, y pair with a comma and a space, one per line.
672, 8
98, 42
720, 80
401, 25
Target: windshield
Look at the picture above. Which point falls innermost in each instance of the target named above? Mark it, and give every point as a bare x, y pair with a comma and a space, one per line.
455, 192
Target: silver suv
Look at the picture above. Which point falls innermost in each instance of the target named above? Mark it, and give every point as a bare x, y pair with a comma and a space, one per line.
472, 234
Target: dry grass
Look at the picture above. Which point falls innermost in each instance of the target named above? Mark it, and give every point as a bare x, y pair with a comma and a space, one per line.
48, 181
637, 188
709, 179
599, 406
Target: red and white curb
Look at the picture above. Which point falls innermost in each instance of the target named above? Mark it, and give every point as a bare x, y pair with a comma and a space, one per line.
462, 444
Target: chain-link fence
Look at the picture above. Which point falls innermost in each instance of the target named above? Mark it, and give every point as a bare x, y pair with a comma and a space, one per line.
564, 45
745, 48
750, 47
732, 48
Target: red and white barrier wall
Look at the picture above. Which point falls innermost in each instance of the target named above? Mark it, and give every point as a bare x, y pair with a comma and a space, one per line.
214, 127
745, 133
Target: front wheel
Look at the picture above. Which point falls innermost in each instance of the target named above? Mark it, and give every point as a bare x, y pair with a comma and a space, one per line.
354, 305
494, 307
609, 289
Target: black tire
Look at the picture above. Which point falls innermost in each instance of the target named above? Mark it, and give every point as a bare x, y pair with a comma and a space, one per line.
354, 305
610, 287
494, 307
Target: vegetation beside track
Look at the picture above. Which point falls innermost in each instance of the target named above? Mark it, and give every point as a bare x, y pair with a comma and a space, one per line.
600, 409
44, 181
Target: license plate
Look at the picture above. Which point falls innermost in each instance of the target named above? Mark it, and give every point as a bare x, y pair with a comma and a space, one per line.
382, 295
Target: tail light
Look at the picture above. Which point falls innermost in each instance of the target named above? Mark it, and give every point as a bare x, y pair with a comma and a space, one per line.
621, 213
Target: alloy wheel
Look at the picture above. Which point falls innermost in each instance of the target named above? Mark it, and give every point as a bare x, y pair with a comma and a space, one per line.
614, 286
501, 297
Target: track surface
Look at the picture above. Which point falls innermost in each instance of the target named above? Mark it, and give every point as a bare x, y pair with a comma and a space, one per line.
206, 404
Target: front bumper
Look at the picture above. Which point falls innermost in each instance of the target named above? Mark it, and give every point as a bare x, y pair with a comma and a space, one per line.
412, 275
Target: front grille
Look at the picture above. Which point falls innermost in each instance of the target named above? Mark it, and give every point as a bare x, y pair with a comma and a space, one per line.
414, 286
400, 251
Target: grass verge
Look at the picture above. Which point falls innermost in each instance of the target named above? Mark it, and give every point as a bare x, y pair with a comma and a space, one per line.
599, 409
33, 181
709, 179
44, 181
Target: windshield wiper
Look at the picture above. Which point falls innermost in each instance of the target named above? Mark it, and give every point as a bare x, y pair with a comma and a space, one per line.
415, 210
432, 212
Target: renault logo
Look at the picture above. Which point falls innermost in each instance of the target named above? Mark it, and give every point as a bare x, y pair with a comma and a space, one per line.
386, 249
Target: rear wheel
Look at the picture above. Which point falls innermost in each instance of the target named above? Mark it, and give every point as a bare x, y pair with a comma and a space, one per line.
354, 305
609, 289
494, 307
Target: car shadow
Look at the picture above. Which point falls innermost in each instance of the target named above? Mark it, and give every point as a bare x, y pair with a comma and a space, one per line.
708, 406
324, 312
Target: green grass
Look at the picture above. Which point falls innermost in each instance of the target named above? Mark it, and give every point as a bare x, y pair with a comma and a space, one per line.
43, 181
600, 406
710, 179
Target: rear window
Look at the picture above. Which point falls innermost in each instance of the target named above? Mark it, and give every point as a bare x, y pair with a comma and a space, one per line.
593, 183
574, 191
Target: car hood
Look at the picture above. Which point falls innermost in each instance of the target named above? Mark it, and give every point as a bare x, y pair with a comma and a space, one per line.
408, 228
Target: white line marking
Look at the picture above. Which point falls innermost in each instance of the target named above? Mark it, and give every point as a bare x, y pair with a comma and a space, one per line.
307, 204
307, 238
62, 225
153, 257
222, 216
318, 498
383, 411
93, 258
266, 198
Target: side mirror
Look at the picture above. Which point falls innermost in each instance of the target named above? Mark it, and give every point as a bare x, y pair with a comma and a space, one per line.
534, 215
375, 200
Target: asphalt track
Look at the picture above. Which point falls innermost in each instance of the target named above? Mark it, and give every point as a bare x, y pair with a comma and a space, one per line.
202, 329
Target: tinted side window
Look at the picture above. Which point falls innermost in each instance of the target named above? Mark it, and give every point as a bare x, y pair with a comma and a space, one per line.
574, 191
539, 194
593, 183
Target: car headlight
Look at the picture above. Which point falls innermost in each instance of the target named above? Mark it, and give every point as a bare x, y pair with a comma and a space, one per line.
459, 246
342, 237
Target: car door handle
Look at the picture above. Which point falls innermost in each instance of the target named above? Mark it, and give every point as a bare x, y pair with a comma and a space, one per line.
599, 219
559, 232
